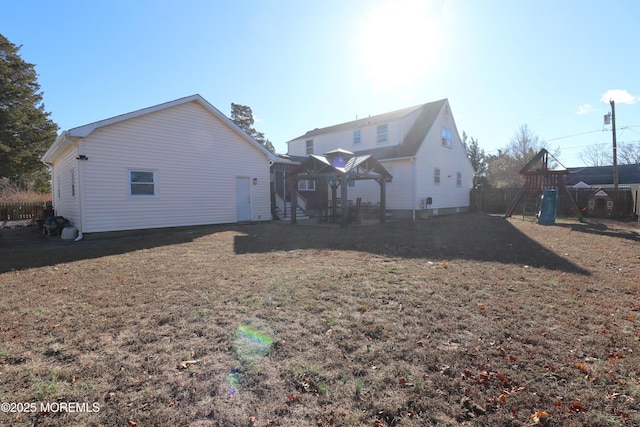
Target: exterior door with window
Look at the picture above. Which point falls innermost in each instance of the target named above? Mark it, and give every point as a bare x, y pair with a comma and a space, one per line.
243, 198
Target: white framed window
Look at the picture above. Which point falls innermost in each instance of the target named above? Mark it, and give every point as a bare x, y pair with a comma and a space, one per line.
436, 176
309, 146
382, 134
356, 137
306, 185
446, 137
142, 183
609, 204
72, 176
458, 179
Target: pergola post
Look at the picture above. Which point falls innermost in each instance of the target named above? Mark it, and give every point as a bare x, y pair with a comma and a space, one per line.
294, 199
334, 197
344, 207
383, 199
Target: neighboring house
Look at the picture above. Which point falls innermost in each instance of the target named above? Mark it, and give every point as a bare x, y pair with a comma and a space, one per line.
602, 176
419, 146
175, 164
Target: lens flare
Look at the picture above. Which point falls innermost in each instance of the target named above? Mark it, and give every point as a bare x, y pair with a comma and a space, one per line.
251, 344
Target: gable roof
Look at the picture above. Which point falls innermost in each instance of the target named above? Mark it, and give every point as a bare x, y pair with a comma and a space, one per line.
412, 141
603, 175
70, 136
356, 167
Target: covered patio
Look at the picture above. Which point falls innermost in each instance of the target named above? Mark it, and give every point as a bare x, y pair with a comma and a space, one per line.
336, 169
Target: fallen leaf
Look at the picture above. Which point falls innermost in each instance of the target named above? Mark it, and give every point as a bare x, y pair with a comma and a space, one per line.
445, 264
578, 407
132, 423
186, 363
582, 367
539, 415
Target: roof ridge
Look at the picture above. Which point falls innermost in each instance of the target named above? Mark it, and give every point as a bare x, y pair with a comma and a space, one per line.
369, 120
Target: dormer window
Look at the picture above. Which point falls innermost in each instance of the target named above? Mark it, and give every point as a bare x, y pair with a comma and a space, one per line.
356, 137
382, 134
309, 146
446, 137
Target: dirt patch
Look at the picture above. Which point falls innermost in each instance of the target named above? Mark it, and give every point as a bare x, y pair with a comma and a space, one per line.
467, 319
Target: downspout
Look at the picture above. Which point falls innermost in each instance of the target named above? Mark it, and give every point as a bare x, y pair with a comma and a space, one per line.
80, 161
414, 190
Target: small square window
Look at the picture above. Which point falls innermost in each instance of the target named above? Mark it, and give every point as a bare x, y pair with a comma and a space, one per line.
306, 185
142, 183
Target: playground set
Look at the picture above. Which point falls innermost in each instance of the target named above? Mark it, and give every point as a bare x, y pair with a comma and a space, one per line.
541, 188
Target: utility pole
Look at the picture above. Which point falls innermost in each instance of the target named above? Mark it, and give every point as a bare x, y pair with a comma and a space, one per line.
615, 150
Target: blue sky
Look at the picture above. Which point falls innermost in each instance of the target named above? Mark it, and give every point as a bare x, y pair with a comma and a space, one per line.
304, 64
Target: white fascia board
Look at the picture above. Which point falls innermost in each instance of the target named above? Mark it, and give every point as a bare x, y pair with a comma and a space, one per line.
61, 143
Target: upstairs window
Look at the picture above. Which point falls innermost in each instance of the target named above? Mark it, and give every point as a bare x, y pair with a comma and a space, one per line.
142, 183
382, 134
436, 176
309, 146
356, 137
458, 179
446, 137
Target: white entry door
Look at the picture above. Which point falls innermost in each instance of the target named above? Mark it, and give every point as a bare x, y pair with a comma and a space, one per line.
243, 197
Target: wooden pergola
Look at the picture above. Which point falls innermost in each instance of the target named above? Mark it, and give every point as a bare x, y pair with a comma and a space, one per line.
337, 168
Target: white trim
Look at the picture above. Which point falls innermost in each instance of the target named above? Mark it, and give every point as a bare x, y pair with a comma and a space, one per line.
142, 196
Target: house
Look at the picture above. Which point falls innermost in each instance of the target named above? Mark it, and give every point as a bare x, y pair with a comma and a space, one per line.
419, 147
180, 163
602, 176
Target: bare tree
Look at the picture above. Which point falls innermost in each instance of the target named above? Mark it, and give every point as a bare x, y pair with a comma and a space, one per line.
629, 153
597, 155
525, 144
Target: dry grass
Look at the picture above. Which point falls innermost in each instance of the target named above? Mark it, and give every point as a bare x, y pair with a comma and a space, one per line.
467, 319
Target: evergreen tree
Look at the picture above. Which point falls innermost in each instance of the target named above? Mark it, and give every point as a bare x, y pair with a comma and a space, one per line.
478, 160
26, 131
242, 116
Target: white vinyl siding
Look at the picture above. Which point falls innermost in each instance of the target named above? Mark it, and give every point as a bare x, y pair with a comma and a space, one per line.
66, 203
451, 162
324, 142
195, 158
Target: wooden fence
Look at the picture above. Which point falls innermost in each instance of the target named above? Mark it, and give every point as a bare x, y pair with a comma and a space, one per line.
497, 201
22, 211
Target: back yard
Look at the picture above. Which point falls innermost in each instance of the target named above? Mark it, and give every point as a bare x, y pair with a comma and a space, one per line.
468, 319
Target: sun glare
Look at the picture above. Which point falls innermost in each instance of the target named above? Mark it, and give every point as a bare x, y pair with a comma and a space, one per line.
398, 41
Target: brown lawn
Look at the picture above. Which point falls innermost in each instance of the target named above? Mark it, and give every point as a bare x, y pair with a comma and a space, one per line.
467, 319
